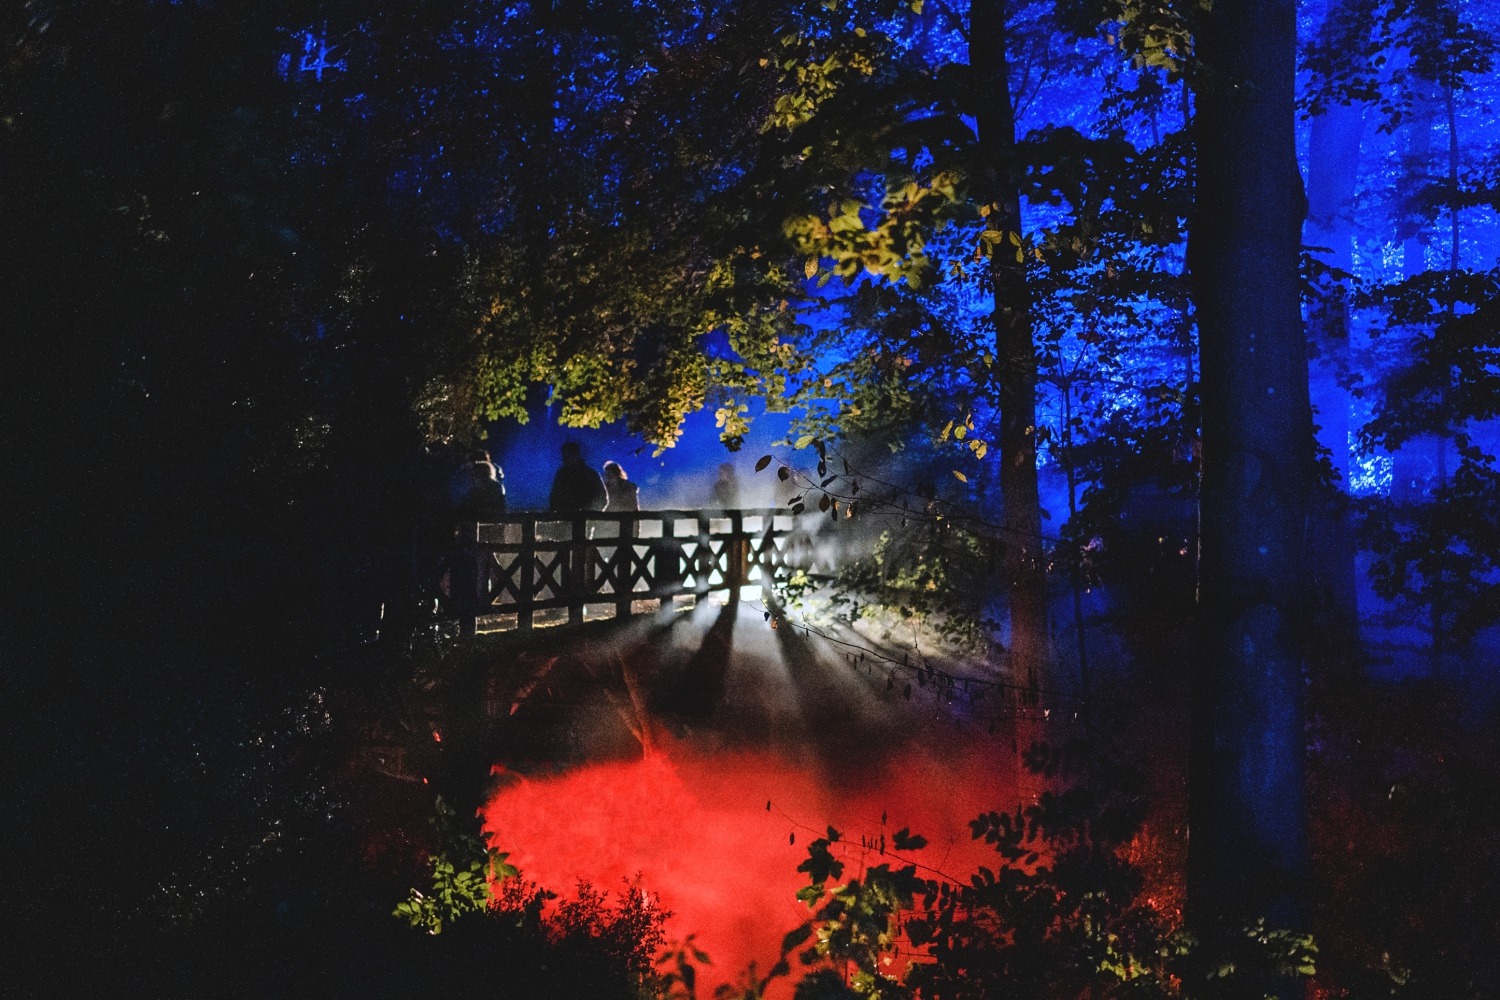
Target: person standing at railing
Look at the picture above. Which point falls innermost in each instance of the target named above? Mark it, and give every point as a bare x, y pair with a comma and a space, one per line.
621, 494
726, 492
476, 495
623, 497
575, 487
477, 490
576, 490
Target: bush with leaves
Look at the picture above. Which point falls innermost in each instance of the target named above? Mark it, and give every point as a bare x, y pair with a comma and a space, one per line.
1062, 914
465, 872
1436, 547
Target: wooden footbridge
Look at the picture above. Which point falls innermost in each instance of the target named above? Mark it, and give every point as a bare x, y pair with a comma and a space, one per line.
530, 570
511, 690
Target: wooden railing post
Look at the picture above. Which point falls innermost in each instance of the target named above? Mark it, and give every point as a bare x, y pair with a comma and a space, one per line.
577, 584
703, 556
624, 554
467, 581
736, 555
768, 558
526, 584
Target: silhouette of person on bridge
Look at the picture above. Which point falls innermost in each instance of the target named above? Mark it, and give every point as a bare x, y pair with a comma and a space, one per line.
476, 495
726, 492
622, 494
477, 490
575, 487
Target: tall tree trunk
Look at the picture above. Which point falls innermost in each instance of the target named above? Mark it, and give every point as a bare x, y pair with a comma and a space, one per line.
1438, 611
1412, 466
1333, 162
1247, 851
1419, 467
1024, 562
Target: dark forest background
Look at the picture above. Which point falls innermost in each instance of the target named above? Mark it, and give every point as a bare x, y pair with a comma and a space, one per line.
268, 269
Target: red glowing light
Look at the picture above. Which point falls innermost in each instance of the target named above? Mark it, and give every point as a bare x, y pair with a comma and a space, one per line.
714, 837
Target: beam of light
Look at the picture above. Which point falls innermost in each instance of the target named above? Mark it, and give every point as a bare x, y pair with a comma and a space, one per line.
716, 818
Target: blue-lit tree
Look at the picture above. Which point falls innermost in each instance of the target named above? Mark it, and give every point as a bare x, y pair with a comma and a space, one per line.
952, 304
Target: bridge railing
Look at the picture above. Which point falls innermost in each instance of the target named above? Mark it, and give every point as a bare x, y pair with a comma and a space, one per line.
526, 570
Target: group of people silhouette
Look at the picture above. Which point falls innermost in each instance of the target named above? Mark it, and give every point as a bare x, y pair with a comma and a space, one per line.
477, 488
476, 496
578, 487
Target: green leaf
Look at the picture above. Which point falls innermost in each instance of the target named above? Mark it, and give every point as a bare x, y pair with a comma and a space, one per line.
764, 461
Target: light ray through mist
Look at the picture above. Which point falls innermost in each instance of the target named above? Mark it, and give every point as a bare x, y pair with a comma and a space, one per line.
747, 767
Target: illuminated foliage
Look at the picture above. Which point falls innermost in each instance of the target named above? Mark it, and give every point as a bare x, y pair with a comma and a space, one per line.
1060, 915
1426, 379
1378, 52
464, 876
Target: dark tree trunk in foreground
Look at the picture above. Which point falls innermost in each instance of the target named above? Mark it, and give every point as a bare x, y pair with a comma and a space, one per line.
1024, 563
1247, 853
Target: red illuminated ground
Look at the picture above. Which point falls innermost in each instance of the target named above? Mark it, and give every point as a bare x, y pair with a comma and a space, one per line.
769, 719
